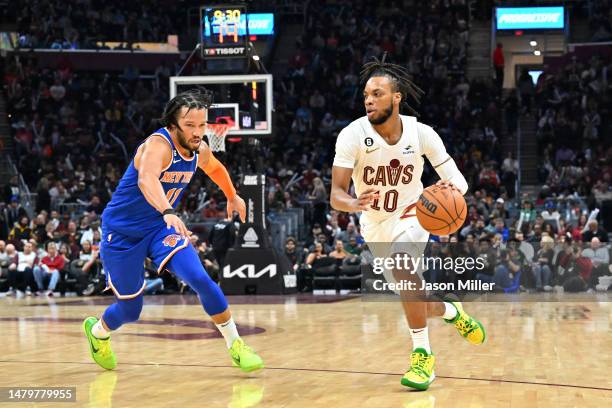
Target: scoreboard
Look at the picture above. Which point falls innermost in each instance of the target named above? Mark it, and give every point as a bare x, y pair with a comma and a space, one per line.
225, 32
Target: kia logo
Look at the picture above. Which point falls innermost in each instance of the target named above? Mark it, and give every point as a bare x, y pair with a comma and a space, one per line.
247, 271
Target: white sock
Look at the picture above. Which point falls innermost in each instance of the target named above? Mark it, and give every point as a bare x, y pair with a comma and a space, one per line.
450, 311
229, 331
420, 339
99, 331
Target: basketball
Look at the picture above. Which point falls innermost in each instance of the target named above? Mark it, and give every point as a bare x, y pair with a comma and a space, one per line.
441, 210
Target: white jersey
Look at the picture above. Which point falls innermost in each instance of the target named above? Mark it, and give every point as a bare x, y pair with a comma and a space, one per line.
394, 170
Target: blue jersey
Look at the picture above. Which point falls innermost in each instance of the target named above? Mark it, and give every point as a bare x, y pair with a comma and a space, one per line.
129, 213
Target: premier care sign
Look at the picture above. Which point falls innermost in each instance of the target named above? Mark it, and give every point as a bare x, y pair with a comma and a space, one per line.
530, 18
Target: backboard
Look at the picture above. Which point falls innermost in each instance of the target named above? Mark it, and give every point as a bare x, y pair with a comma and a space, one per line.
245, 101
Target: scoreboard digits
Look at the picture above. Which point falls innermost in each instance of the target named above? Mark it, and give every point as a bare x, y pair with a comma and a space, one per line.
228, 23
224, 31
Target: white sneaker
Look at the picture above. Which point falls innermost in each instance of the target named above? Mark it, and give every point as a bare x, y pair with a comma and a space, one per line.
10, 292
28, 292
547, 288
89, 290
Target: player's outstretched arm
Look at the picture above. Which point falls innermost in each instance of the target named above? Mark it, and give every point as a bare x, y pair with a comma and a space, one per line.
154, 156
341, 200
219, 175
450, 176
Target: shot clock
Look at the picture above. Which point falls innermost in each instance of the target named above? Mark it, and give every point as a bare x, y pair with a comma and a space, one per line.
224, 31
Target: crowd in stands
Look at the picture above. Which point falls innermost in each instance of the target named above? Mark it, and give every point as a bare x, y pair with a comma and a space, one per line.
76, 24
54, 253
320, 94
532, 247
572, 108
75, 132
600, 20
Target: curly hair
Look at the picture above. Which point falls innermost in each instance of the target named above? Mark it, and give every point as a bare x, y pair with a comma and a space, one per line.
195, 98
399, 77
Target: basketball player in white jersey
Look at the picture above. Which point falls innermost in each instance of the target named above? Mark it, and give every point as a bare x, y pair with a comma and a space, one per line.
383, 154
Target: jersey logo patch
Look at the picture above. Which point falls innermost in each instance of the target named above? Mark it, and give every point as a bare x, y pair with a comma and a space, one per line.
172, 240
407, 149
369, 141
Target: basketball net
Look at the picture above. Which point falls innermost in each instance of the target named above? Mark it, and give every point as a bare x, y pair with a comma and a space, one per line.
216, 133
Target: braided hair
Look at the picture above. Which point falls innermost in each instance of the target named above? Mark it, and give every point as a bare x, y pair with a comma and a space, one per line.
195, 98
399, 77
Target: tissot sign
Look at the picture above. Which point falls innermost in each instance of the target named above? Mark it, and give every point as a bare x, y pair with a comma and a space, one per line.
232, 52
530, 18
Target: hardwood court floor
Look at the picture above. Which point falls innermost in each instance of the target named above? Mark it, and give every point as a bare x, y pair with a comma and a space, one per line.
337, 352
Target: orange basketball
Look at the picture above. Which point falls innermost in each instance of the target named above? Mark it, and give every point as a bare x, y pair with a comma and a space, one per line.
441, 210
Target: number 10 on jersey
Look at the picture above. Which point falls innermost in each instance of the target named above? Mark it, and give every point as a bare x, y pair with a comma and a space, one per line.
389, 201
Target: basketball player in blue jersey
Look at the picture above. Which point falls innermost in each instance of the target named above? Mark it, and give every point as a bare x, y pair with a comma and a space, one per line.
140, 221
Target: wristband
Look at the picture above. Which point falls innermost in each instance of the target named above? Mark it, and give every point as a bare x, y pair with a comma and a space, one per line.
169, 211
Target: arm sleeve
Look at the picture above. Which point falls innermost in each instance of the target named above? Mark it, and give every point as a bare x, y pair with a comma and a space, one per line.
219, 175
433, 148
347, 149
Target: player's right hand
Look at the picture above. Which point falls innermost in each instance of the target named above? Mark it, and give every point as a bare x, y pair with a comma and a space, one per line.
365, 199
172, 220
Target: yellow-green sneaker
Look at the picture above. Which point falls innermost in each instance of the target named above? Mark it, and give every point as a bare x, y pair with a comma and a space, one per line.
244, 357
99, 349
421, 372
469, 328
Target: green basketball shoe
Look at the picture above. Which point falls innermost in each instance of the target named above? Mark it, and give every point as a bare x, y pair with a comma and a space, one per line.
99, 349
468, 327
244, 357
421, 372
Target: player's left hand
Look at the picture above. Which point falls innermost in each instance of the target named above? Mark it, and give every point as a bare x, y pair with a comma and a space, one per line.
446, 184
238, 205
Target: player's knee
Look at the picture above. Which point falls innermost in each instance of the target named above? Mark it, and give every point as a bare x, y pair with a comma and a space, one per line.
210, 294
201, 282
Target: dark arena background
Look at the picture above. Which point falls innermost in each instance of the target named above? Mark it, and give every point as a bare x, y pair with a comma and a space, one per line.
518, 91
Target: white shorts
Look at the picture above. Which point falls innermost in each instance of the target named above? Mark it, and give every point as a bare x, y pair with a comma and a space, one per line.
400, 233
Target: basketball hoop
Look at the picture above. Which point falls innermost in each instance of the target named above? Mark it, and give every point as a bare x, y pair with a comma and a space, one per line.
216, 133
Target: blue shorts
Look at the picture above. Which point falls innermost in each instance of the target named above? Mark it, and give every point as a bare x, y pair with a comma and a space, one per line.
123, 257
